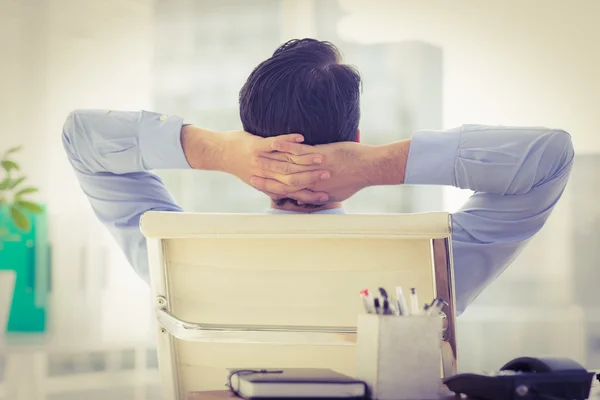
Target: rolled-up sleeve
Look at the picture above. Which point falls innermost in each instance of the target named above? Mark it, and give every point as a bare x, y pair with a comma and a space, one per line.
111, 153
518, 175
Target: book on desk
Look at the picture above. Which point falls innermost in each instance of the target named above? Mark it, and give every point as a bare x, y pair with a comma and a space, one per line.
294, 383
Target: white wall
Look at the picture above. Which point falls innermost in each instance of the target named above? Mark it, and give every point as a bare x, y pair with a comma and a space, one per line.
57, 56
65, 54
506, 62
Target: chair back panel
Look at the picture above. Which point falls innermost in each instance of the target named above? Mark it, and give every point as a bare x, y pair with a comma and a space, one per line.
284, 273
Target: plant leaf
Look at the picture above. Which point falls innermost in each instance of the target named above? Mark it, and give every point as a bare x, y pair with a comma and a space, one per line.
20, 220
4, 184
13, 150
9, 165
29, 206
25, 191
16, 182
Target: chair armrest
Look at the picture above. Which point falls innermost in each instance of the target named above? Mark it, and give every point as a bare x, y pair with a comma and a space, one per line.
273, 334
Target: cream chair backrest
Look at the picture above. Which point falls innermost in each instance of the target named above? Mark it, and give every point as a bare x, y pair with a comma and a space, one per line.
252, 291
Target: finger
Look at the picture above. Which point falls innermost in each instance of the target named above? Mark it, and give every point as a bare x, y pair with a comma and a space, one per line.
299, 180
273, 196
266, 144
290, 137
279, 189
296, 149
282, 167
307, 196
271, 186
306, 159
303, 180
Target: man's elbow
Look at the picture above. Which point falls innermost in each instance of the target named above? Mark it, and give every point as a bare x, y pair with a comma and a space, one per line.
68, 127
69, 135
560, 145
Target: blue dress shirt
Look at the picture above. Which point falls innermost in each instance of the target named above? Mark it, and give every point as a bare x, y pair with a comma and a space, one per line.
517, 174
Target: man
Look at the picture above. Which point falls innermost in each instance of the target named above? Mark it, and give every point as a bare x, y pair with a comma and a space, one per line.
517, 174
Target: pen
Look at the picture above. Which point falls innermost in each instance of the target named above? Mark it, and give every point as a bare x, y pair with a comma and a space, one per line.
386, 307
435, 309
401, 301
376, 305
414, 302
367, 301
383, 293
394, 307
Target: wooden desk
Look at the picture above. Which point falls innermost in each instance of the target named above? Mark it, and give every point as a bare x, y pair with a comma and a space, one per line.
225, 394
212, 395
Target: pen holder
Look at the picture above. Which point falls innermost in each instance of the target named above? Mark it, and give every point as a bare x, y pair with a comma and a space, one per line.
399, 358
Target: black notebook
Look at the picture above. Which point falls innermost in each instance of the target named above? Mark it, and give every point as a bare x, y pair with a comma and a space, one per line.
305, 383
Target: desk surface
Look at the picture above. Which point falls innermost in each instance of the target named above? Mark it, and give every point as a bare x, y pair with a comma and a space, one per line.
225, 394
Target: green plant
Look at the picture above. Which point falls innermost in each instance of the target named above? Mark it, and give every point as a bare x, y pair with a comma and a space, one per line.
13, 192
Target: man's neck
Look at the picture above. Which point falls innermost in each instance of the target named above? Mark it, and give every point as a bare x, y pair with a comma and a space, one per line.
305, 209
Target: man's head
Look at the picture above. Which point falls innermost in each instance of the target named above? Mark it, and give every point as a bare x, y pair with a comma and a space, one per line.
303, 88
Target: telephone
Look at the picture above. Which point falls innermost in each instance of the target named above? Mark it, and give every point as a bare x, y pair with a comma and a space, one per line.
527, 378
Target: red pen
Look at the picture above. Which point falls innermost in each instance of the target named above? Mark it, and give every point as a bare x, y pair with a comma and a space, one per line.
367, 301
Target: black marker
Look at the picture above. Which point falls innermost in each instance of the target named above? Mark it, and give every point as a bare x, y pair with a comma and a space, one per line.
376, 305
386, 307
383, 293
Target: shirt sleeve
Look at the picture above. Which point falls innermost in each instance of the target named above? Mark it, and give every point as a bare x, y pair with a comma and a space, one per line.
112, 153
517, 174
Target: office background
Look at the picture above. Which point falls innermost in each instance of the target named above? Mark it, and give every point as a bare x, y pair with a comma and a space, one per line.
425, 64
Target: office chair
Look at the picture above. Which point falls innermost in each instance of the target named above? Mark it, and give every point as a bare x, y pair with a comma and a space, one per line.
266, 291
